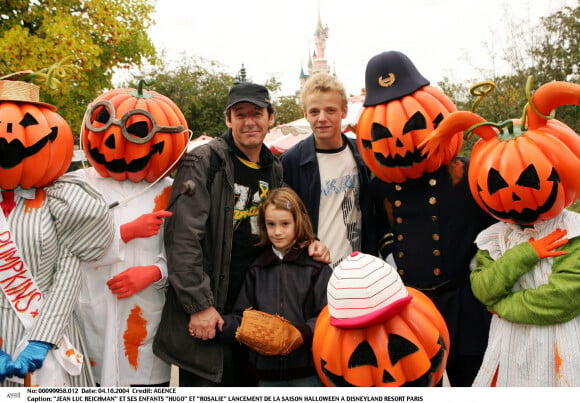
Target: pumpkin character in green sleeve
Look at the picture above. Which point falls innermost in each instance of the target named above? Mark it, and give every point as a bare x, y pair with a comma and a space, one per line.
525, 173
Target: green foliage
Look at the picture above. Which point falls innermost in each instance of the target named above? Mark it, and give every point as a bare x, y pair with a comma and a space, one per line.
575, 206
200, 89
287, 109
98, 35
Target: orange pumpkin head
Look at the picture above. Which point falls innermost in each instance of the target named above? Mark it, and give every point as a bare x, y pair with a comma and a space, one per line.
518, 174
134, 134
36, 143
401, 109
377, 332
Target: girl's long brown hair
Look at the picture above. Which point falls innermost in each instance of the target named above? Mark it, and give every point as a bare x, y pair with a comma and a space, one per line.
285, 198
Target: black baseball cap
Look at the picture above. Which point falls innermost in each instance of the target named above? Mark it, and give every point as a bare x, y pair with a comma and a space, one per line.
391, 75
248, 92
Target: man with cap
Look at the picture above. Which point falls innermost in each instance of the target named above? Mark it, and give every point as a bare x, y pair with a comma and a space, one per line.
427, 203
210, 241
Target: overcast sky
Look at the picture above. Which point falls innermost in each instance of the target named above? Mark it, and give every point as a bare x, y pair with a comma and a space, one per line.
273, 37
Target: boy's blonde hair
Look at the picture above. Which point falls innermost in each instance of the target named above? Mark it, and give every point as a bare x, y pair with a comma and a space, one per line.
322, 82
285, 198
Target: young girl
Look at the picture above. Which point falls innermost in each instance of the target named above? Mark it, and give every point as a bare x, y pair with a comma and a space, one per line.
286, 281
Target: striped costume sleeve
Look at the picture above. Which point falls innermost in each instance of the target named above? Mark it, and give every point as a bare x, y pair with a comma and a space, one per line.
84, 229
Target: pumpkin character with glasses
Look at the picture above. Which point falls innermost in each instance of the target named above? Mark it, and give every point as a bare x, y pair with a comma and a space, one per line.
133, 138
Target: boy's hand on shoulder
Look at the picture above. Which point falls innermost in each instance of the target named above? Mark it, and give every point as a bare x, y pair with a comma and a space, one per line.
319, 252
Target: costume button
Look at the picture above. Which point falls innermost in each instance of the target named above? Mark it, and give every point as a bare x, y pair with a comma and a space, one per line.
437, 271
400, 237
435, 237
436, 252
432, 182
432, 201
401, 272
398, 203
401, 255
398, 188
399, 220
434, 218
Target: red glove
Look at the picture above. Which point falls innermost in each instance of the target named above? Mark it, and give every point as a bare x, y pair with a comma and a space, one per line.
133, 280
144, 226
545, 247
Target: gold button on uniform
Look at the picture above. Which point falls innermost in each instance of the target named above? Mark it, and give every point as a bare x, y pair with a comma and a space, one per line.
433, 200
434, 218
437, 271
401, 255
432, 182
435, 237
398, 203
401, 272
436, 252
398, 188
400, 237
399, 220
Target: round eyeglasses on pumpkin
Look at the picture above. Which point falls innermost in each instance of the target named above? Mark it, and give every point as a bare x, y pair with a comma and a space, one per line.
138, 131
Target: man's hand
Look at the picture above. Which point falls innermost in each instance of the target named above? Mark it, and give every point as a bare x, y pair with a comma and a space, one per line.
319, 252
546, 246
133, 280
202, 324
144, 226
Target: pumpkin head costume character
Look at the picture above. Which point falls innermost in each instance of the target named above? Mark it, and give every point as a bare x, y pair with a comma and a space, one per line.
377, 332
133, 139
50, 223
425, 200
525, 173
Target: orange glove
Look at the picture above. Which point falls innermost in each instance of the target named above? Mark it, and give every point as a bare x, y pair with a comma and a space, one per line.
133, 280
545, 247
144, 226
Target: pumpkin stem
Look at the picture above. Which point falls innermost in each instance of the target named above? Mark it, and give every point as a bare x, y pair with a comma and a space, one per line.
51, 76
481, 90
140, 86
528, 92
523, 123
500, 126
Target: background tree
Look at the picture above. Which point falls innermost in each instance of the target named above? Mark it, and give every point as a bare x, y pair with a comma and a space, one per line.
98, 35
200, 88
287, 109
549, 51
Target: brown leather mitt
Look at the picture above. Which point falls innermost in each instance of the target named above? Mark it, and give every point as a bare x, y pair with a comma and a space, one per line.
268, 334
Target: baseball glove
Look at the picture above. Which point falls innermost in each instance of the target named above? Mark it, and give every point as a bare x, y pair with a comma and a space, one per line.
268, 334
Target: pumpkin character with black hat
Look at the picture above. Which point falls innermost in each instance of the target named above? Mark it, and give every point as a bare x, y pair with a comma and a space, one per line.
433, 217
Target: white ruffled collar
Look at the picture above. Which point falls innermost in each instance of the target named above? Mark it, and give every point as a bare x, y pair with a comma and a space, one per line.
502, 236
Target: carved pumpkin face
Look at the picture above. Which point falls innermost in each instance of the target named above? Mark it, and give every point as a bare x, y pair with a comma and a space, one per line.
388, 135
36, 145
527, 178
409, 349
521, 175
134, 135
